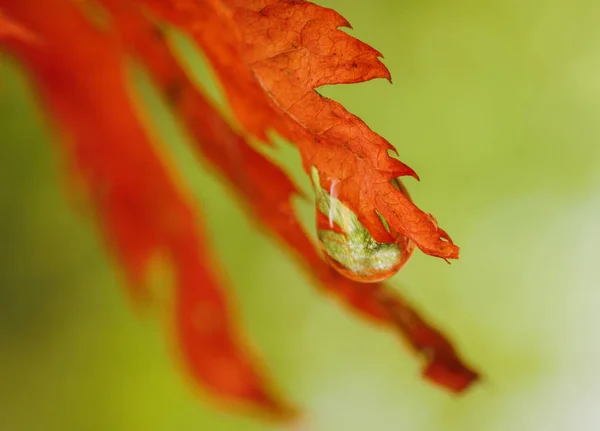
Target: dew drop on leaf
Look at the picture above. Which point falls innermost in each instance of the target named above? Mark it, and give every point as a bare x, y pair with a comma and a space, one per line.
348, 247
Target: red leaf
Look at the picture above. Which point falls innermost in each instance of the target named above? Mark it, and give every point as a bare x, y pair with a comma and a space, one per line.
81, 82
267, 192
270, 56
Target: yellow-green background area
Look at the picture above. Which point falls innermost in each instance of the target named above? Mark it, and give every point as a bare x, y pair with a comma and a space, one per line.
495, 104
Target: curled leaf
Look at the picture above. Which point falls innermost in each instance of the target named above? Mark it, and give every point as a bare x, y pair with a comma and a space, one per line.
268, 193
270, 56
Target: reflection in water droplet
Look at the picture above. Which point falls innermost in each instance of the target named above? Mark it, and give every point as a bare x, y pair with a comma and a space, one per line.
348, 247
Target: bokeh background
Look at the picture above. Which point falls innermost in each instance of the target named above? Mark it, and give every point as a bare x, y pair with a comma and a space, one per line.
495, 104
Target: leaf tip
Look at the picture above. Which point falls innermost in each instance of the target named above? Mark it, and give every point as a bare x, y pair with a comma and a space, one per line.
386, 74
451, 374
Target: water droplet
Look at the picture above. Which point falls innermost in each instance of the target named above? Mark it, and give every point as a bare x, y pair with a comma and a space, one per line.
348, 247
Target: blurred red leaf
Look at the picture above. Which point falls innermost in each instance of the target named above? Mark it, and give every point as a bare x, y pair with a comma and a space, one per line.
81, 83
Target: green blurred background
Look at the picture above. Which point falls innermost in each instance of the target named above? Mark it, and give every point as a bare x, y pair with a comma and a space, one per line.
495, 104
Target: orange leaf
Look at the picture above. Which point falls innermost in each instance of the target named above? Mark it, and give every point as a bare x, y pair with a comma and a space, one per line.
270, 55
81, 83
267, 192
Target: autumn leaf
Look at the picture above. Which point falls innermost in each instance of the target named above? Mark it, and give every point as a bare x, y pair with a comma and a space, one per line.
270, 56
268, 192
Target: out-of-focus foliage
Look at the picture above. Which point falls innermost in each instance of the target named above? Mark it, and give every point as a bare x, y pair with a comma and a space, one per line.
495, 105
